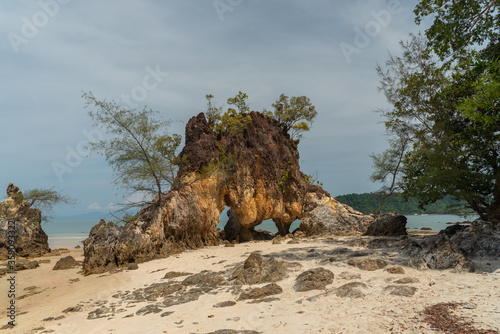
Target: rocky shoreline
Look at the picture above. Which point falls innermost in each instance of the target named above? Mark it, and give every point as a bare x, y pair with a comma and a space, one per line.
354, 284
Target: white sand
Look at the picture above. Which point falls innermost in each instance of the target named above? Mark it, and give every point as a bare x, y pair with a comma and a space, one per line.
378, 312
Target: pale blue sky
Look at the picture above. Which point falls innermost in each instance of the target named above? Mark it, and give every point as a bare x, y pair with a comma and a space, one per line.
52, 50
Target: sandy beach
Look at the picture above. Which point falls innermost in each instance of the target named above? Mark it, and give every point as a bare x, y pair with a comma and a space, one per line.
65, 301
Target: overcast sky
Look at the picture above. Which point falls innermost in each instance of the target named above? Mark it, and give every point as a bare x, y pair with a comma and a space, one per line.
168, 55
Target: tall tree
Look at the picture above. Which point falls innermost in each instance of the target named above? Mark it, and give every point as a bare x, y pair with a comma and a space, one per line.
452, 154
138, 146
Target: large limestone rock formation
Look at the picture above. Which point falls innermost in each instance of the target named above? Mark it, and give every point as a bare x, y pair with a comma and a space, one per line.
254, 171
30, 239
323, 214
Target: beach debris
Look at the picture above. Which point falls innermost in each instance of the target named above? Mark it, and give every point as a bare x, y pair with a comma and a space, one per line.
440, 317
67, 262
313, 279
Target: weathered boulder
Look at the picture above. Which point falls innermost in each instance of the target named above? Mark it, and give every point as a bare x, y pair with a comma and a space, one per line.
325, 215
256, 270
23, 264
25, 226
313, 279
367, 263
265, 291
388, 224
452, 229
67, 262
352, 290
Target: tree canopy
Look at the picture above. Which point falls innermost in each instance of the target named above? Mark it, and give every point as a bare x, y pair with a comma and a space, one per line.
295, 114
449, 109
458, 24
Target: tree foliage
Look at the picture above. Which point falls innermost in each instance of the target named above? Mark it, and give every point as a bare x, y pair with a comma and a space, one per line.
45, 200
459, 24
295, 114
232, 121
138, 146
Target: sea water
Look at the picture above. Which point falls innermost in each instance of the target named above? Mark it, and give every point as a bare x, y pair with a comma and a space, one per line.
70, 233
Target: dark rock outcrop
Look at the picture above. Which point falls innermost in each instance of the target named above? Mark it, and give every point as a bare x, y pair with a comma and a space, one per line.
435, 252
30, 239
389, 224
454, 247
481, 238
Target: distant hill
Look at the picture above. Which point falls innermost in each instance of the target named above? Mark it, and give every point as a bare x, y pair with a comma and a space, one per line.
85, 216
368, 203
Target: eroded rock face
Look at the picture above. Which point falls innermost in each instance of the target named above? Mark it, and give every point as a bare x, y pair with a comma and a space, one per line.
31, 240
255, 172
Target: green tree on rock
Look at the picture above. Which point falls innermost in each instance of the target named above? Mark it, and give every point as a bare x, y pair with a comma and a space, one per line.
295, 114
138, 147
45, 200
